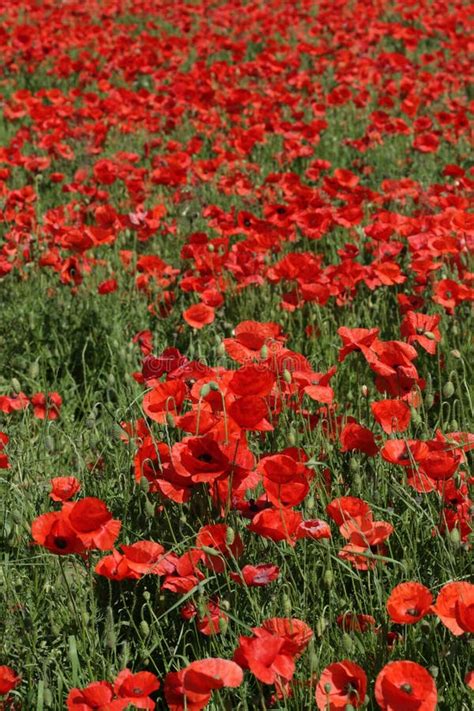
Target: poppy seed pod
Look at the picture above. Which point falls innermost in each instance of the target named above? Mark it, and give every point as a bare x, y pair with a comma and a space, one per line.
220, 350
364, 390
144, 628
264, 352
287, 376
328, 578
149, 509
205, 390
448, 390
144, 485
16, 385
230, 536
34, 370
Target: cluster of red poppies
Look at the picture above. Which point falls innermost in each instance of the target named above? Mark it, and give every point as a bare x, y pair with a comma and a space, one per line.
200, 154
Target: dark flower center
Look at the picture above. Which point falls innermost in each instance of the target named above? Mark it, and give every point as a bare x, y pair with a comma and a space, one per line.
205, 457
413, 612
407, 688
60, 543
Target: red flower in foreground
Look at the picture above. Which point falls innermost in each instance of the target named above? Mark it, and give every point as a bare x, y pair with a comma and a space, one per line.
93, 523
455, 607
267, 655
54, 532
341, 684
135, 689
8, 679
191, 688
64, 488
408, 603
392, 415
199, 315
256, 575
46, 406
98, 696
405, 686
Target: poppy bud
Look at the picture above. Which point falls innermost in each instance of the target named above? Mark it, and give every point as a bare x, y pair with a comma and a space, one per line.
34, 370
47, 697
328, 578
16, 385
349, 707
365, 391
455, 536
287, 607
149, 509
223, 624
230, 536
147, 596
430, 335
287, 376
454, 425
321, 626
213, 386
169, 419
291, 438
111, 395
429, 401
310, 503
111, 379
354, 465
225, 605
49, 443
144, 628
415, 416
210, 248
264, 352
347, 643
448, 390
210, 551
205, 390
455, 353
220, 350
144, 485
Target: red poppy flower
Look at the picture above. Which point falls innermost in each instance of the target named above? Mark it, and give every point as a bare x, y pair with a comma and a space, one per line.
98, 696
199, 315
9, 679
136, 688
250, 337
54, 532
469, 680
9, 404
355, 437
455, 607
313, 528
296, 632
218, 537
64, 488
165, 398
346, 508
422, 329
191, 688
350, 622
405, 686
277, 524
257, 575
92, 522
266, 655
408, 603
107, 287
46, 406
147, 557
341, 684
392, 415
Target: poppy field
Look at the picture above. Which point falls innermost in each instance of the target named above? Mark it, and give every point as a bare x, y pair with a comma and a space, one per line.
236, 354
